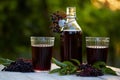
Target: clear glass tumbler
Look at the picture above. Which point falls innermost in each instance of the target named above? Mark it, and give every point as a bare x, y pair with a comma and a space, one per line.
97, 49
42, 52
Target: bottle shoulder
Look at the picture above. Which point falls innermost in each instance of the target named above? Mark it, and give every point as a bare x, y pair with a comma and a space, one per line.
71, 33
72, 26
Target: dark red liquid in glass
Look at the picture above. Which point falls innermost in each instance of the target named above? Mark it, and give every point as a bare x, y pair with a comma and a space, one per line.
71, 45
96, 53
41, 57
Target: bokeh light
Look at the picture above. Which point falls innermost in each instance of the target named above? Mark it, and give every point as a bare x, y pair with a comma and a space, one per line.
111, 4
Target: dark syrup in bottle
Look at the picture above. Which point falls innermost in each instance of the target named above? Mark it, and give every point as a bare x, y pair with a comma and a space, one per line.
71, 38
71, 45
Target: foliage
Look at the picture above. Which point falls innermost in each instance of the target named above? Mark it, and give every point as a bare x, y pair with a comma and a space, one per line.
102, 66
20, 19
66, 67
5, 62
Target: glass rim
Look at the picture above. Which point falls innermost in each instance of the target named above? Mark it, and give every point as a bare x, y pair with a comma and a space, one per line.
41, 37
98, 37
106, 39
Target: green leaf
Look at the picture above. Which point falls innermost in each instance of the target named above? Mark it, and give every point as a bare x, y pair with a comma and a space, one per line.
63, 71
99, 65
108, 71
74, 69
58, 63
5, 62
102, 66
68, 63
76, 61
54, 70
66, 67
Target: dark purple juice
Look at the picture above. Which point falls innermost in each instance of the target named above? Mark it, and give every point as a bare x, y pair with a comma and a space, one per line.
41, 57
71, 45
96, 53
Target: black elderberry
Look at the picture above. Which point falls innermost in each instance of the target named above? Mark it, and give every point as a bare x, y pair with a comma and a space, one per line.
20, 65
55, 17
88, 70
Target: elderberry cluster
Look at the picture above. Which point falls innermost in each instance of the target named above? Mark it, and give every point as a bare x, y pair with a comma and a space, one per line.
88, 70
20, 65
55, 17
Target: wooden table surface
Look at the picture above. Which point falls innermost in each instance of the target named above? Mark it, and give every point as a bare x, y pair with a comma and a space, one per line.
46, 76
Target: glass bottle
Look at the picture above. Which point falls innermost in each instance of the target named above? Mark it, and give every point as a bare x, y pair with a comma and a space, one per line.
71, 37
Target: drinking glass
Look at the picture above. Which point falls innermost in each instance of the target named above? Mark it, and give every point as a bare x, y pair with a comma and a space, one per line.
42, 52
97, 49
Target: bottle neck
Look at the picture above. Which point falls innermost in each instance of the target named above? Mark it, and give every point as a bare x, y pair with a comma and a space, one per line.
71, 19
71, 24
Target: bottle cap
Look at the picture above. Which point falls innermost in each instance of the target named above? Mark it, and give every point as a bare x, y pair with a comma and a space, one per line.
71, 11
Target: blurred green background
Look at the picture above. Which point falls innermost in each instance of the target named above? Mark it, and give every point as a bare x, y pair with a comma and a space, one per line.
20, 19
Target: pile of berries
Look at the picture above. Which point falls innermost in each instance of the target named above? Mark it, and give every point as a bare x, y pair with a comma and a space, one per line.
88, 70
20, 65
55, 17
